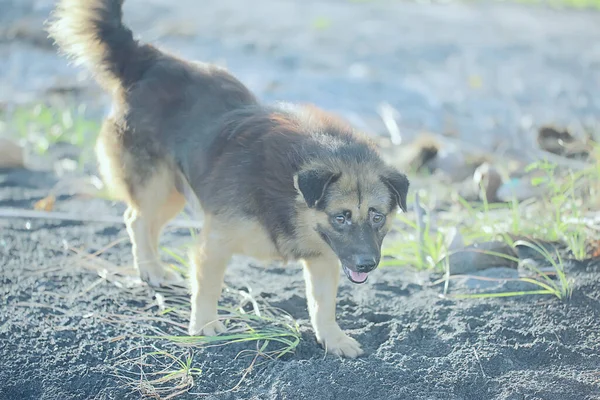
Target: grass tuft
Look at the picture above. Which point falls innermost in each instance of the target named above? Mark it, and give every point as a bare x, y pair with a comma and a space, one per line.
41, 126
561, 214
266, 332
158, 373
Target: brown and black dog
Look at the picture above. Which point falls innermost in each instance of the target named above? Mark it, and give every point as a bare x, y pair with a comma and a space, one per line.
278, 182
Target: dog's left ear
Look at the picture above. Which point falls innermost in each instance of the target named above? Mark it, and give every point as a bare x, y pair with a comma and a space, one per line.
398, 185
313, 183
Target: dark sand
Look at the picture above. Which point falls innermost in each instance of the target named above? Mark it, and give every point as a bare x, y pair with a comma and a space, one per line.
55, 343
536, 65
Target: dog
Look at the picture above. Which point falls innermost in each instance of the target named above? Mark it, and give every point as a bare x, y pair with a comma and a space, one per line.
275, 182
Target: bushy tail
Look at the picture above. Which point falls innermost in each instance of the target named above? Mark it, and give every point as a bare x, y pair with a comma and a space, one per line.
92, 34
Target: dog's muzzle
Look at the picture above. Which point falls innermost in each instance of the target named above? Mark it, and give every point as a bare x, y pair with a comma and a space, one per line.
358, 269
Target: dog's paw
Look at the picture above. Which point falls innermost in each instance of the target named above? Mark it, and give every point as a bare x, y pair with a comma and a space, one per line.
160, 277
209, 328
340, 344
171, 277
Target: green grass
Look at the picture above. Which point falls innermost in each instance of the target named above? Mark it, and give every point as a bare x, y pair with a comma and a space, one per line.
557, 216
39, 126
170, 375
547, 286
264, 324
267, 335
166, 365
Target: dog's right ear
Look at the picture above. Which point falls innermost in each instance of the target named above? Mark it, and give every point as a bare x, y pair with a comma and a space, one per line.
313, 183
398, 185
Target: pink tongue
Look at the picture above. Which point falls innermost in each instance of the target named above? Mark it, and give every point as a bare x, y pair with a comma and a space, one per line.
358, 276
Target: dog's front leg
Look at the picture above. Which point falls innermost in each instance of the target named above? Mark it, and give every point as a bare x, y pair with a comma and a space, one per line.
209, 261
322, 278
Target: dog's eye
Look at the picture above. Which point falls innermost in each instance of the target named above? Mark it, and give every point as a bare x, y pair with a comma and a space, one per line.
342, 218
377, 218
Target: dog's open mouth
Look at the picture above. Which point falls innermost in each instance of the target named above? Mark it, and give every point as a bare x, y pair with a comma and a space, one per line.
355, 277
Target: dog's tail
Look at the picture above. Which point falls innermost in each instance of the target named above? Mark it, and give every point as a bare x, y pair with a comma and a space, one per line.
92, 34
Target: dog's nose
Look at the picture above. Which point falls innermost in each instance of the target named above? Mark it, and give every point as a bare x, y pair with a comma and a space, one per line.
365, 263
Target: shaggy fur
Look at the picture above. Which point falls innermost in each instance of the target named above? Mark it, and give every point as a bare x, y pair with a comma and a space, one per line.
278, 182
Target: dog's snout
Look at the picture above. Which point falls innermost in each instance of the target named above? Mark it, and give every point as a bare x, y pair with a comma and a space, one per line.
365, 263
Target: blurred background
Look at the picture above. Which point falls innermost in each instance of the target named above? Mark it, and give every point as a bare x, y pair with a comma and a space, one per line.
478, 79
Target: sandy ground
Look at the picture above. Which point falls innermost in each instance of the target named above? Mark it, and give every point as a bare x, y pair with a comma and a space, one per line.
56, 342
446, 68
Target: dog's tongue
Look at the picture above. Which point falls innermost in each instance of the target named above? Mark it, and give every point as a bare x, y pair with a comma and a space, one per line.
358, 276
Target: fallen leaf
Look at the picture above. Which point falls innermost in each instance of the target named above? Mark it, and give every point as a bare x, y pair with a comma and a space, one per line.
595, 248
45, 204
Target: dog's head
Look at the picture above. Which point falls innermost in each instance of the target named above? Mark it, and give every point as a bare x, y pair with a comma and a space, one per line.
352, 208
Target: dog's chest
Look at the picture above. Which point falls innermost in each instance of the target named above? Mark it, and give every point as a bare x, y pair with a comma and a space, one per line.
252, 240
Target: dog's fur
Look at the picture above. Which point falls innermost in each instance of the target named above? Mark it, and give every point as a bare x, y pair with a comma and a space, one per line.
274, 182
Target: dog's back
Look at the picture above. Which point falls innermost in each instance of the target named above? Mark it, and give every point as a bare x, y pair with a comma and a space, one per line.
162, 104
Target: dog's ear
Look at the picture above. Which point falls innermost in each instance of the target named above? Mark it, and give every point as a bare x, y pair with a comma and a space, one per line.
313, 183
398, 184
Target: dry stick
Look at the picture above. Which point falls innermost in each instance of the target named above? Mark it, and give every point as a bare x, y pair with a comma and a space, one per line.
57, 215
116, 318
110, 245
388, 114
479, 361
39, 305
248, 298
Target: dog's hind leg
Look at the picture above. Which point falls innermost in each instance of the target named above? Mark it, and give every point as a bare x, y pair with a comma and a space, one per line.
209, 261
322, 278
155, 202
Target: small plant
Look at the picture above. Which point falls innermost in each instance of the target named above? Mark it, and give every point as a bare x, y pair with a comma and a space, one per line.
564, 201
421, 249
557, 216
161, 374
561, 289
42, 126
267, 325
248, 320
